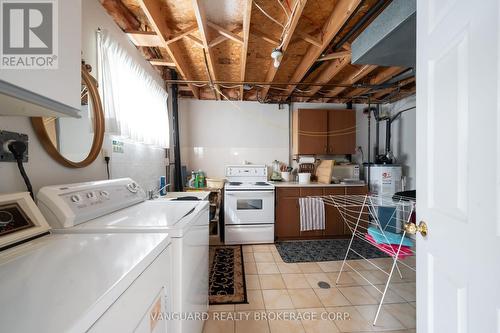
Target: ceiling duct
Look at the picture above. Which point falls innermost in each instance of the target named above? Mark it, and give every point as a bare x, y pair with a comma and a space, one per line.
390, 40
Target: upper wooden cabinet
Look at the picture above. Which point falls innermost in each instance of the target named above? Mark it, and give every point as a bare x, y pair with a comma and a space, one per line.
323, 132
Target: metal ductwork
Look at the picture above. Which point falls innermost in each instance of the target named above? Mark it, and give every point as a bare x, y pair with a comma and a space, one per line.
391, 39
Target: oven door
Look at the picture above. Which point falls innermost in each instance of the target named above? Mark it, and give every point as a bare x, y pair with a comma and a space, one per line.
249, 207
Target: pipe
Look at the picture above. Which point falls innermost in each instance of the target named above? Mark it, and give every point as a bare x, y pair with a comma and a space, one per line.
178, 184
369, 142
377, 131
388, 136
291, 83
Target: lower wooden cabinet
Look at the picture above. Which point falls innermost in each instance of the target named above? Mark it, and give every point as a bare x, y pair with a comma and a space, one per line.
288, 212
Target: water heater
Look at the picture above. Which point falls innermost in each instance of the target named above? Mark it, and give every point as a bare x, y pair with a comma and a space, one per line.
384, 178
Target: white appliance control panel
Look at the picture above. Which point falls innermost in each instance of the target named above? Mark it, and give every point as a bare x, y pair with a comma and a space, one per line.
65, 206
246, 172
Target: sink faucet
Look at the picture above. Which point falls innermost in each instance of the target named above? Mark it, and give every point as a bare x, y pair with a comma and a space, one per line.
155, 192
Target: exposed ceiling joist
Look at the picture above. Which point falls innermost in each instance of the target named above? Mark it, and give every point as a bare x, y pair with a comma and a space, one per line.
352, 79
152, 10
310, 39
181, 34
219, 39
297, 13
380, 78
198, 42
161, 62
144, 38
400, 84
331, 70
264, 36
225, 32
335, 55
340, 14
247, 14
199, 12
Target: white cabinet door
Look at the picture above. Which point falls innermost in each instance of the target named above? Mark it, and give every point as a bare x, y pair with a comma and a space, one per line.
61, 84
458, 166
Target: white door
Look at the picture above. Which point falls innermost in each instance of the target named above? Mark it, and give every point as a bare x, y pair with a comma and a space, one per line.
458, 166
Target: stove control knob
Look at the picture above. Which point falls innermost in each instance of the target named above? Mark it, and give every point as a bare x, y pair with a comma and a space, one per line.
104, 194
91, 195
75, 198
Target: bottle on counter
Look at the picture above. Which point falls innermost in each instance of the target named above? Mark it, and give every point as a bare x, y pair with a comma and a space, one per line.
201, 180
192, 179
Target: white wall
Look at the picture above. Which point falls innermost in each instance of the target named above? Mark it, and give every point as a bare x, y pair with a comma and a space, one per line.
143, 163
214, 134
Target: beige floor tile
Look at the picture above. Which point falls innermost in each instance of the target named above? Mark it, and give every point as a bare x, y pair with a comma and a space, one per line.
271, 281
295, 281
385, 321
304, 298
349, 319
263, 257
390, 296
345, 279
255, 301
247, 248
277, 257
286, 326
309, 267
368, 277
357, 295
277, 299
314, 323
221, 307
218, 326
262, 248
288, 268
406, 290
252, 282
331, 297
251, 324
267, 268
330, 266
250, 268
314, 278
248, 257
403, 312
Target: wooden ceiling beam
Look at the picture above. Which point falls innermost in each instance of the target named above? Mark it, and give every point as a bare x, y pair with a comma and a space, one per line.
152, 10
335, 55
219, 39
144, 38
400, 84
183, 33
352, 79
310, 39
297, 13
381, 77
264, 36
225, 32
201, 19
247, 14
161, 62
198, 42
340, 14
331, 70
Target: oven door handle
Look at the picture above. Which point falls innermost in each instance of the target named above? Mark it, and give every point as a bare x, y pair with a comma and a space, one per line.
247, 192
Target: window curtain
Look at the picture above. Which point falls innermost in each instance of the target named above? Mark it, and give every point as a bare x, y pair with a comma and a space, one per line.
135, 105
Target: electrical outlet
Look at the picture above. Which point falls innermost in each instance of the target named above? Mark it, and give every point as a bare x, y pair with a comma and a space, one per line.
5, 138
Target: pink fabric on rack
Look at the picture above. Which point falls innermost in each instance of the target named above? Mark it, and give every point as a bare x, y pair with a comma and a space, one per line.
390, 249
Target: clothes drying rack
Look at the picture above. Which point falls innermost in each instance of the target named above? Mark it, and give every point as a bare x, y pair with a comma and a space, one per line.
364, 212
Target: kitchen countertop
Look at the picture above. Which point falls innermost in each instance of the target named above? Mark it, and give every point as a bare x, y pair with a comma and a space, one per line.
312, 184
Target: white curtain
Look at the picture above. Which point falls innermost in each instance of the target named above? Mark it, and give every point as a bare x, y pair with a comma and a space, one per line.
135, 105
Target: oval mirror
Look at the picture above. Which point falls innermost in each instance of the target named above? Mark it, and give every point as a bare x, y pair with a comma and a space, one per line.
75, 142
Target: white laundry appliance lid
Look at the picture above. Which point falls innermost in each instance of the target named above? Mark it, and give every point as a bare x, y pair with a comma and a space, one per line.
173, 217
62, 283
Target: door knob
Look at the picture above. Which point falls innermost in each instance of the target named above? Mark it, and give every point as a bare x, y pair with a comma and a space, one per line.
412, 228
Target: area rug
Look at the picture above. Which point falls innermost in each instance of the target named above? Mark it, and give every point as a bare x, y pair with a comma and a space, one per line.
325, 250
227, 275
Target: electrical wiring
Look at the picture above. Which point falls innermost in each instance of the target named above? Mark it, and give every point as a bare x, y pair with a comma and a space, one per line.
284, 9
268, 16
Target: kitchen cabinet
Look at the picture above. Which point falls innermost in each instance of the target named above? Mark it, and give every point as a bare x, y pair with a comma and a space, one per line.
54, 91
287, 224
323, 132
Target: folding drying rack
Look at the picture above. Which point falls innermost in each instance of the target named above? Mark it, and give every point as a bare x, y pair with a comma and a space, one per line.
363, 211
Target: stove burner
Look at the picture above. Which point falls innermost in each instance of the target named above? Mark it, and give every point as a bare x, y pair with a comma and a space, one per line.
235, 183
261, 184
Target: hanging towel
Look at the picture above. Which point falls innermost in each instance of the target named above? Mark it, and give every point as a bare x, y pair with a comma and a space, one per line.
312, 214
387, 237
391, 249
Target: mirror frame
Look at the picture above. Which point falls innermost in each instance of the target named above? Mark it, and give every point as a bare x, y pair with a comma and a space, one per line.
43, 136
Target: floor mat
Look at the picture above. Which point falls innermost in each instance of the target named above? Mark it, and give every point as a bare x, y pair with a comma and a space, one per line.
227, 275
325, 250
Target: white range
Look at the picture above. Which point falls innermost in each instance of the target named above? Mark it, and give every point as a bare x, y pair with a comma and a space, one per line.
248, 205
119, 206
80, 282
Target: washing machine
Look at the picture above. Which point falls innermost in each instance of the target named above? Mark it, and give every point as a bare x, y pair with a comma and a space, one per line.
78, 282
77, 209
